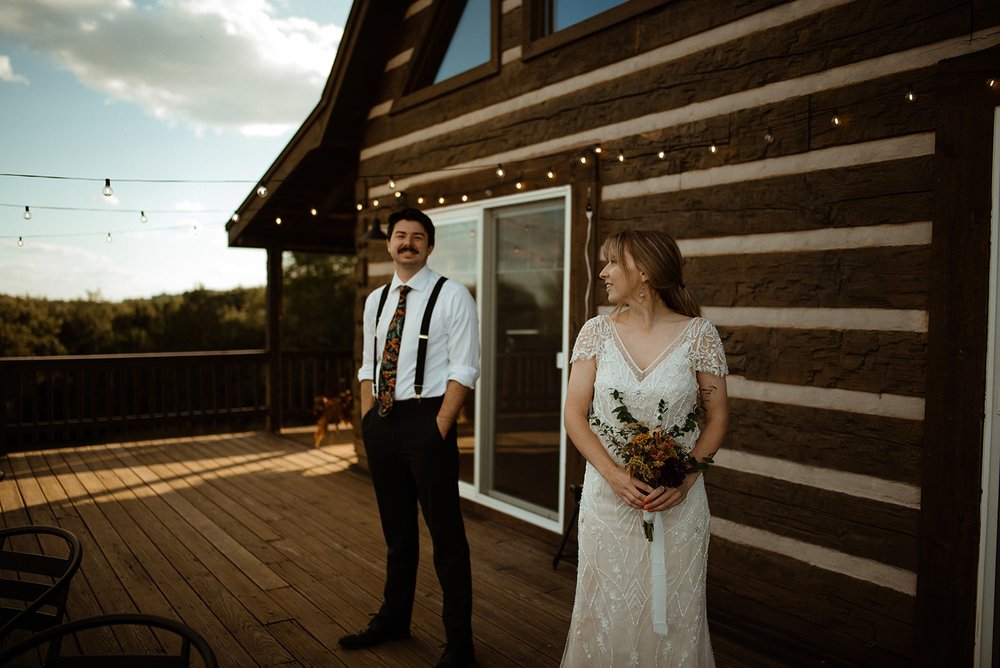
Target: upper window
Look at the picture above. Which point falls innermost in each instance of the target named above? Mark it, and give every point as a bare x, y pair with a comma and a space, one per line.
458, 46
561, 14
470, 43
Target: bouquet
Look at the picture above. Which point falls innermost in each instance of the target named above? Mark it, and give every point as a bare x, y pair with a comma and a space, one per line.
652, 455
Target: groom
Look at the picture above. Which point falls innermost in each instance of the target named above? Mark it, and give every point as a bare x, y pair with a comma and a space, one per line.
408, 425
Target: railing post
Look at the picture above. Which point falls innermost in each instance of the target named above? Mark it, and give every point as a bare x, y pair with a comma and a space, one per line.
274, 308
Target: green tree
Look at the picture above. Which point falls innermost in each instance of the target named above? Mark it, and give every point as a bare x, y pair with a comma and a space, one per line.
319, 294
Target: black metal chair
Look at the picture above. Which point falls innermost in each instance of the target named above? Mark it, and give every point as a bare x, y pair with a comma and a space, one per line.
34, 581
173, 651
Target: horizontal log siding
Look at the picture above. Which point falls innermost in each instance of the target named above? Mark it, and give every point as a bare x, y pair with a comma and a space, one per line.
835, 475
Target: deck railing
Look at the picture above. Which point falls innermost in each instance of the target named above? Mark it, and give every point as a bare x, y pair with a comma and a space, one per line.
97, 398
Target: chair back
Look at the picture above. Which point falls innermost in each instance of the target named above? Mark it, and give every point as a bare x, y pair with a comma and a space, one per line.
37, 564
169, 647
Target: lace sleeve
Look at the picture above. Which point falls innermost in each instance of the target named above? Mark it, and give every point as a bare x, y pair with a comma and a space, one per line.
707, 352
589, 341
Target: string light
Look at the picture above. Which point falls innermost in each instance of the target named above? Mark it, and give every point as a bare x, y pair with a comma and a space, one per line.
142, 217
993, 82
398, 194
313, 211
360, 206
519, 185
236, 217
500, 172
277, 220
20, 242
713, 148
835, 119
662, 154
27, 213
583, 160
597, 149
910, 96
769, 136
549, 173
261, 190
108, 192
108, 238
441, 200
465, 198
621, 156
375, 202
420, 200
392, 183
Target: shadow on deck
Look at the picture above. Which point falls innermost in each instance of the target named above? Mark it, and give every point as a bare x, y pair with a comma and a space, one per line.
272, 550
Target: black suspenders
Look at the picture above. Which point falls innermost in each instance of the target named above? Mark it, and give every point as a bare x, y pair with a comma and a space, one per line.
425, 326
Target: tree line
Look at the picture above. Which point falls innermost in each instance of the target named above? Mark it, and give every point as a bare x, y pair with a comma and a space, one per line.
318, 313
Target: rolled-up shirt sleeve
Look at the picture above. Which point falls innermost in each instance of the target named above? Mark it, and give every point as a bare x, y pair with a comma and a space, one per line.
463, 340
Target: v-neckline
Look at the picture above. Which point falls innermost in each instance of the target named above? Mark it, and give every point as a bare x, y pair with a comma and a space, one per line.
641, 374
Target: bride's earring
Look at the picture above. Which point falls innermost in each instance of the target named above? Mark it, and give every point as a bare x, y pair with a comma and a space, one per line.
642, 294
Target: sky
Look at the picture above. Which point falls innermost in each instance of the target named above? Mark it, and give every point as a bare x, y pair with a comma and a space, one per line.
182, 104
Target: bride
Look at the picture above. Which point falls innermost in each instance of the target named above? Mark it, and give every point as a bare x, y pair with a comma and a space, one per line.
641, 602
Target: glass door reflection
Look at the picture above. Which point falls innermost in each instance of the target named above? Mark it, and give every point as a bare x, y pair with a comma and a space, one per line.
522, 449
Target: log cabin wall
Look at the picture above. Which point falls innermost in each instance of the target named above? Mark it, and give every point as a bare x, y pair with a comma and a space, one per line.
808, 242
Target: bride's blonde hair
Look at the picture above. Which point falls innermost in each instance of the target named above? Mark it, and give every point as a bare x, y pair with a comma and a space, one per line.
655, 253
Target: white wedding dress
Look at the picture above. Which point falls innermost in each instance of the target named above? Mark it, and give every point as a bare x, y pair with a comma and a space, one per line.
612, 622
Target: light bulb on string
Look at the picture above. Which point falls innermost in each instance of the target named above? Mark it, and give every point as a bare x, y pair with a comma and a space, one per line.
235, 218
662, 154
398, 194
465, 198
277, 220
549, 173
993, 82
375, 203
712, 147
583, 160
27, 213
108, 192
621, 156
20, 242
769, 136
519, 184
142, 217
441, 200
835, 119
597, 149
500, 172
420, 200
360, 206
262, 190
911, 95
392, 183
194, 230
313, 211
108, 239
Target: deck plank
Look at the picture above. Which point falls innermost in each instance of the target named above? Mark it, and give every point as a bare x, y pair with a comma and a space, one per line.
272, 550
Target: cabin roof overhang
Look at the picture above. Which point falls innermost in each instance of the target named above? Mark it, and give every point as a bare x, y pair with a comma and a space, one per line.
317, 170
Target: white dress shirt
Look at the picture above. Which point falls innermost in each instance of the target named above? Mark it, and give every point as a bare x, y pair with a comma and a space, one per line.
452, 342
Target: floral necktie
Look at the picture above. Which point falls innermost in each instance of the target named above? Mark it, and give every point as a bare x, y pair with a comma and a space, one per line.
390, 356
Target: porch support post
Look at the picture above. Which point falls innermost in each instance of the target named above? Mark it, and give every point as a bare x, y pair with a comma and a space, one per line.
273, 340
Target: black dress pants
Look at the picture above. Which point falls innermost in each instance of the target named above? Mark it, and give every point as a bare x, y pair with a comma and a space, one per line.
410, 463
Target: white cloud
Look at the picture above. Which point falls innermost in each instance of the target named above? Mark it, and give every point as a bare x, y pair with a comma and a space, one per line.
7, 71
211, 64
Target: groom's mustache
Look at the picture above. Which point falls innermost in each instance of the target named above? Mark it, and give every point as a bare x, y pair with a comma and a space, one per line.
405, 249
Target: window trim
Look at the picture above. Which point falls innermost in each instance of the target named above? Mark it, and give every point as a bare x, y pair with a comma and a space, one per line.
537, 44
415, 93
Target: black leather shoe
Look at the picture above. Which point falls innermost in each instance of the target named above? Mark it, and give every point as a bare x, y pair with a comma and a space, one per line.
379, 630
458, 655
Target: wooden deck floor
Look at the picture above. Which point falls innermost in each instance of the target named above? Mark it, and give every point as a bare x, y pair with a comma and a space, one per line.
272, 550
